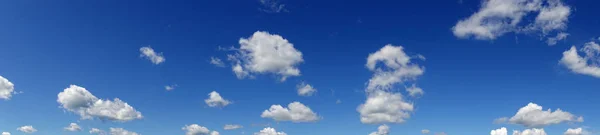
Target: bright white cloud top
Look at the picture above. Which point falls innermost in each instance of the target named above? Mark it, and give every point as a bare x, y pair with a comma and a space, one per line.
533, 131
500, 131
576, 131
385, 107
587, 64
196, 129
265, 53
5, 133
382, 130
97, 131
269, 131
296, 112
532, 115
73, 127
215, 100
121, 131
6, 88
80, 101
232, 127
27, 129
305, 89
154, 57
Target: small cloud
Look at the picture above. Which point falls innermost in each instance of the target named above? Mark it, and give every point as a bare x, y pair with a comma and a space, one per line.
305, 89
170, 87
73, 127
217, 62
560, 36
27, 129
215, 100
338, 101
232, 127
272, 6
425, 131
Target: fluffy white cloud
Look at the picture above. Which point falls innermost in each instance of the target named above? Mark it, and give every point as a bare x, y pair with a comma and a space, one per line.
397, 68
6, 88
414, 91
425, 131
97, 131
215, 100
559, 36
80, 101
5, 133
533, 131
196, 129
532, 115
266, 53
149, 54
27, 129
589, 64
306, 89
576, 131
217, 62
382, 130
500, 131
269, 131
296, 112
232, 127
73, 127
121, 131
384, 107
498, 17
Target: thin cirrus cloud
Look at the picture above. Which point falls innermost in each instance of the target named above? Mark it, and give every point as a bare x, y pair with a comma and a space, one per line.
196, 129
533, 115
215, 100
150, 54
586, 63
6, 88
73, 127
381, 130
121, 131
269, 131
27, 129
217, 62
305, 89
272, 6
80, 101
295, 112
232, 127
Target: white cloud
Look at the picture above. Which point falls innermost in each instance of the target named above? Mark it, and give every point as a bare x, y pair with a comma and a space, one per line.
532, 115
414, 91
264, 53
589, 64
5, 133
97, 131
382, 130
500, 131
559, 36
232, 127
441, 133
296, 112
305, 89
215, 100
425, 131
398, 68
498, 17
269, 131
121, 131
384, 107
170, 87
149, 54
6, 88
80, 101
576, 131
196, 129
27, 129
73, 127
217, 62
533, 131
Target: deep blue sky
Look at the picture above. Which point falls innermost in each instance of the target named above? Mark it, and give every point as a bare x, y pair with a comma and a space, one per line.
47, 45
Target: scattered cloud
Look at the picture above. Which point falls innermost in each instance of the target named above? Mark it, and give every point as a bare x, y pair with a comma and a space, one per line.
196, 129
121, 131
381, 130
5, 133
232, 127
533, 131
296, 112
97, 131
338, 101
500, 131
149, 54
305, 89
559, 36
264, 53
6, 88
425, 131
217, 62
27, 129
215, 100
532, 115
80, 101
272, 6
397, 68
415, 91
384, 107
170, 87
73, 127
441, 133
269, 131
588, 64
576, 131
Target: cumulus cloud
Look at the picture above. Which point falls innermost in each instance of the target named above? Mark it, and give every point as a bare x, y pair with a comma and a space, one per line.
498, 17
381, 130
533, 131
385, 107
149, 54
269, 131
265, 53
6, 88
425, 131
500, 131
397, 68
588, 64
196, 129
73, 127
296, 112
532, 115
80, 101
97, 131
232, 127
414, 91
5, 133
217, 62
215, 100
305, 89
576, 131
559, 36
27, 129
121, 131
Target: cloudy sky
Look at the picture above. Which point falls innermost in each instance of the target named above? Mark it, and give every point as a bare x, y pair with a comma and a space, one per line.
300, 67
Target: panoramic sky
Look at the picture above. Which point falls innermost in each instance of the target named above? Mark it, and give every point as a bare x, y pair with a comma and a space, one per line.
300, 67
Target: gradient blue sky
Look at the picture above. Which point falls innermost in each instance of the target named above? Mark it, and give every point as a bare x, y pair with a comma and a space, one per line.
45, 46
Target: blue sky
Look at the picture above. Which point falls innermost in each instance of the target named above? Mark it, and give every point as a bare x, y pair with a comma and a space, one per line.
469, 79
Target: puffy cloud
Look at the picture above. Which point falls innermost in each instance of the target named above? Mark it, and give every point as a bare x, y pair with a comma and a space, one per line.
305, 89
232, 127
73, 127
589, 64
500, 131
414, 91
266, 53
217, 62
215, 100
532, 115
384, 107
170, 87
149, 54
296, 112
196, 129
121, 131
269, 131
425, 131
6, 88
97, 131
5, 133
398, 68
533, 131
382, 130
27, 129
559, 36
498, 17
576, 131
80, 101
